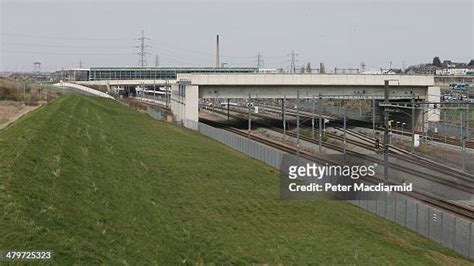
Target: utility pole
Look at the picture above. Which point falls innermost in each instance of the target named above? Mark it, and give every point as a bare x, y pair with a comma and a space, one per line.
282, 108
167, 94
142, 49
385, 135
228, 109
445, 125
463, 138
284, 115
259, 61
298, 124
345, 126
213, 104
250, 119
413, 125
320, 123
373, 115
467, 128
467, 117
312, 119
423, 122
154, 86
157, 60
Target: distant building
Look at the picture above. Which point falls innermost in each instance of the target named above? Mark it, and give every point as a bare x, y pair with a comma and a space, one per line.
446, 68
423, 69
346, 71
268, 70
410, 72
134, 73
452, 71
382, 71
451, 64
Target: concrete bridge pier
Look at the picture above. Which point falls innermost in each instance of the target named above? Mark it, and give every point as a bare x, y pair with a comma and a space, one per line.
185, 104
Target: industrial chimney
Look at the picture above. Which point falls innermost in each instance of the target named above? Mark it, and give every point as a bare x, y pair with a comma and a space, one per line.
322, 68
217, 51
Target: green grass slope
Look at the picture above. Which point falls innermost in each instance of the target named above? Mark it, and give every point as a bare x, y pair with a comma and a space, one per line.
96, 182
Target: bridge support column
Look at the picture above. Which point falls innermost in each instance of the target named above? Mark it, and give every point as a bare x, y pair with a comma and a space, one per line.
433, 111
184, 104
176, 104
192, 107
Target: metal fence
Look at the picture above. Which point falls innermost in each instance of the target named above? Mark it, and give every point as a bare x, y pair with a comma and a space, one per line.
156, 114
449, 129
441, 226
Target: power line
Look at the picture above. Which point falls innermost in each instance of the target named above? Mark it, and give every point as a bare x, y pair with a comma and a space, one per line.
174, 46
179, 61
61, 38
293, 61
175, 52
259, 61
47, 53
34, 44
142, 52
177, 47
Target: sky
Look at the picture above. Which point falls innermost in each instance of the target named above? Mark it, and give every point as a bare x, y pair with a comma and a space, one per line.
342, 34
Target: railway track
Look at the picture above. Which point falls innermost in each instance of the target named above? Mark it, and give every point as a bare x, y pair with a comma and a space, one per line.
413, 158
461, 210
466, 187
466, 183
436, 138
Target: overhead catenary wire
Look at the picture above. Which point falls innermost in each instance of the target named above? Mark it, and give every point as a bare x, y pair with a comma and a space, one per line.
160, 44
34, 36
171, 52
62, 45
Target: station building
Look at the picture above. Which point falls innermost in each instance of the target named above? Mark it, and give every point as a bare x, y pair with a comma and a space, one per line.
142, 73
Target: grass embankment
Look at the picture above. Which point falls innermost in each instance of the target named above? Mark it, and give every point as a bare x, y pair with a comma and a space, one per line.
96, 182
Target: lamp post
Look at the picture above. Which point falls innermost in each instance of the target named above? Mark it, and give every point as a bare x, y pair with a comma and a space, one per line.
403, 125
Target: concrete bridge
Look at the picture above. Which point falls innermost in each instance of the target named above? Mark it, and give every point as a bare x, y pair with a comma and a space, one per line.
190, 87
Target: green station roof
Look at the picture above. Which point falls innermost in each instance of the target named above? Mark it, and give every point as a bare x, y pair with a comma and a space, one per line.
207, 69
